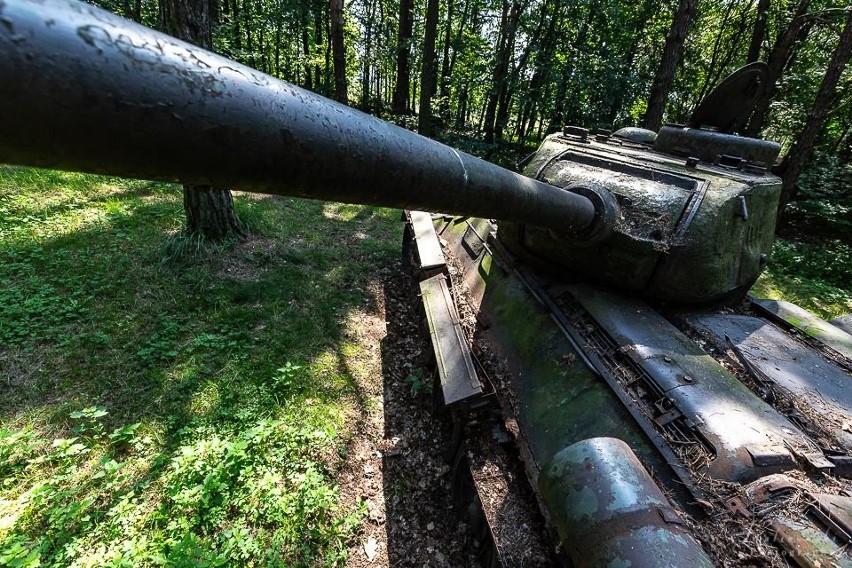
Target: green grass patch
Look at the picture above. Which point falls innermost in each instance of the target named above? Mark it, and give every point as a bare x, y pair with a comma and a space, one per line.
815, 276
168, 401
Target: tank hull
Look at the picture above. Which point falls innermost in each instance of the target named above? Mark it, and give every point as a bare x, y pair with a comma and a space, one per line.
572, 364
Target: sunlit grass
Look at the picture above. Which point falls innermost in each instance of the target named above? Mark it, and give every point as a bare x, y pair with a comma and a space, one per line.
816, 277
164, 400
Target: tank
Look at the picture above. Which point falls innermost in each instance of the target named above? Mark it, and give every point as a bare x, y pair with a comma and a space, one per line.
618, 399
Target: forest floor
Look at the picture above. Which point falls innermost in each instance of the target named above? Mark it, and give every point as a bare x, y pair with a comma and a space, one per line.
397, 465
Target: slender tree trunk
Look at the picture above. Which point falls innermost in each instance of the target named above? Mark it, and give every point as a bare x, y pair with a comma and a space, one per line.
238, 40
133, 9
339, 52
842, 138
758, 32
628, 59
427, 69
711, 75
209, 210
246, 13
557, 116
507, 95
402, 90
306, 51
461, 115
318, 43
278, 24
328, 79
543, 60
798, 156
444, 90
672, 53
508, 28
368, 56
458, 37
776, 63
261, 51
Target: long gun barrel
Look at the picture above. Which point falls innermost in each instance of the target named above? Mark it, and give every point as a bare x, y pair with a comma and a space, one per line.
82, 89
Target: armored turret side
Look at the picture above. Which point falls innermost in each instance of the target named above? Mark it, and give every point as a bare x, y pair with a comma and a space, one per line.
688, 231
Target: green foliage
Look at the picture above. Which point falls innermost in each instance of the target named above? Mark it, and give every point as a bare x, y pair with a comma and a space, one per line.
418, 382
184, 412
813, 275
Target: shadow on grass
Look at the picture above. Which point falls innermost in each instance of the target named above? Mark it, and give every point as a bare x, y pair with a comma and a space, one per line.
92, 317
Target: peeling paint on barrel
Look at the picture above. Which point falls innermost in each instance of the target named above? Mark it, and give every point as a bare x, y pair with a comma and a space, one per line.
597, 491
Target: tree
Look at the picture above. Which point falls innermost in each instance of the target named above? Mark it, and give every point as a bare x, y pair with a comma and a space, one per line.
209, 210
672, 53
427, 74
505, 47
777, 61
758, 31
338, 52
798, 156
403, 75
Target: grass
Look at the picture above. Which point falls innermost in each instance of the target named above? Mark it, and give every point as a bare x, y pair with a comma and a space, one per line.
166, 401
814, 275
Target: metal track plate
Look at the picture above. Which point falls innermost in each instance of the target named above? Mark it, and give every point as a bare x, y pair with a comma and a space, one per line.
459, 380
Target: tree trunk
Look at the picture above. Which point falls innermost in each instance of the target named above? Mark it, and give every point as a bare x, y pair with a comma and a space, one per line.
627, 61
718, 62
339, 52
427, 69
461, 116
403, 80
246, 12
505, 45
328, 80
776, 63
445, 62
306, 50
797, 158
277, 70
557, 115
758, 32
209, 210
368, 59
672, 53
536, 43
261, 50
235, 10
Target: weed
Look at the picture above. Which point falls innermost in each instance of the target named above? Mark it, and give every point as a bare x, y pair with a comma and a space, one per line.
182, 247
416, 380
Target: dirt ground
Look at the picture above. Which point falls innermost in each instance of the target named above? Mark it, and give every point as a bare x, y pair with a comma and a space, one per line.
395, 464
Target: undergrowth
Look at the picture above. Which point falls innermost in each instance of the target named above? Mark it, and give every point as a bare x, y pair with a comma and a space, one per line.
170, 401
814, 275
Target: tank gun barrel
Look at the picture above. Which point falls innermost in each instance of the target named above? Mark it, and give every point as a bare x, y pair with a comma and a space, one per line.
82, 89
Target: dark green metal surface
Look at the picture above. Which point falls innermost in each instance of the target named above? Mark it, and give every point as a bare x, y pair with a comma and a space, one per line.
686, 233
